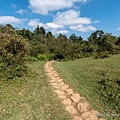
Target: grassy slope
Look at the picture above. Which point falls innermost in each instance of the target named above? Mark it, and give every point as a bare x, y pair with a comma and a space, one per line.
30, 98
82, 74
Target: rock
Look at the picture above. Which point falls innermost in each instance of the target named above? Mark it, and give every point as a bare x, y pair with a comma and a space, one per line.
75, 98
52, 81
64, 87
60, 92
56, 75
77, 118
83, 107
53, 78
90, 115
69, 91
59, 80
71, 109
53, 84
61, 83
62, 96
82, 99
56, 87
67, 102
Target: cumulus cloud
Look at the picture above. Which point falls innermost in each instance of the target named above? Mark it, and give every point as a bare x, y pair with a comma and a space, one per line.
49, 25
118, 28
43, 7
10, 20
70, 17
82, 28
34, 22
53, 26
21, 11
55, 31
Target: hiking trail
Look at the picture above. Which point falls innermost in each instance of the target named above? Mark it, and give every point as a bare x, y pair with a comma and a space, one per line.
76, 105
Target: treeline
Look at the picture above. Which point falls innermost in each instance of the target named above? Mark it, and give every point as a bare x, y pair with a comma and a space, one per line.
18, 46
99, 44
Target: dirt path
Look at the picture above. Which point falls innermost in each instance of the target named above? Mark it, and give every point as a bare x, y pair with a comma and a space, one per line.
77, 106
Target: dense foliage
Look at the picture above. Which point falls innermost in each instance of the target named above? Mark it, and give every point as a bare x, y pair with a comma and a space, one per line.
13, 48
42, 45
99, 44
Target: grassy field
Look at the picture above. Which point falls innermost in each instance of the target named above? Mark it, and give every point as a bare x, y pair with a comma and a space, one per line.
98, 80
30, 97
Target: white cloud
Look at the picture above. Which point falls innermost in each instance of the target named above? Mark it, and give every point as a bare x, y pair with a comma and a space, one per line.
70, 17
118, 28
97, 21
21, 11
50, 25
53, 26
34, 22
82, 28
10, 20
55, 31
13, 5
43, 7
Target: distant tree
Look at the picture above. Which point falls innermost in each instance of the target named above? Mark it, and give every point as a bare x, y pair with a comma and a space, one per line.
96, 36
49, 34
73, 38
1, 28
76, 39
26, 33
62, 37
8, 29
118, 41
39, 30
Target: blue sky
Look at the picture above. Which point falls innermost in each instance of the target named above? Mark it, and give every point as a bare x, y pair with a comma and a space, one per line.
81, 17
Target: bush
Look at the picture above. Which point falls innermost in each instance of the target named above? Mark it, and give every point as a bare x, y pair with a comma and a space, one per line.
45, 57
13, 48
101, 55
31, 58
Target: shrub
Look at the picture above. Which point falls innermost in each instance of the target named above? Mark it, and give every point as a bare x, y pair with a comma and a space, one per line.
31, 58
45, 57
101, 55
12, 51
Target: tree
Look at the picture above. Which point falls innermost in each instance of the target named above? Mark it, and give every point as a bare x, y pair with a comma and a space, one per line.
26, 34
73, 38
96, 36
8, 29
118, 41
49, 34
39, 30
1, 28
76, 39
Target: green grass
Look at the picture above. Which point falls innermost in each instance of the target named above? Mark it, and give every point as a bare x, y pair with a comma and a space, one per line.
84, 75
30, 97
